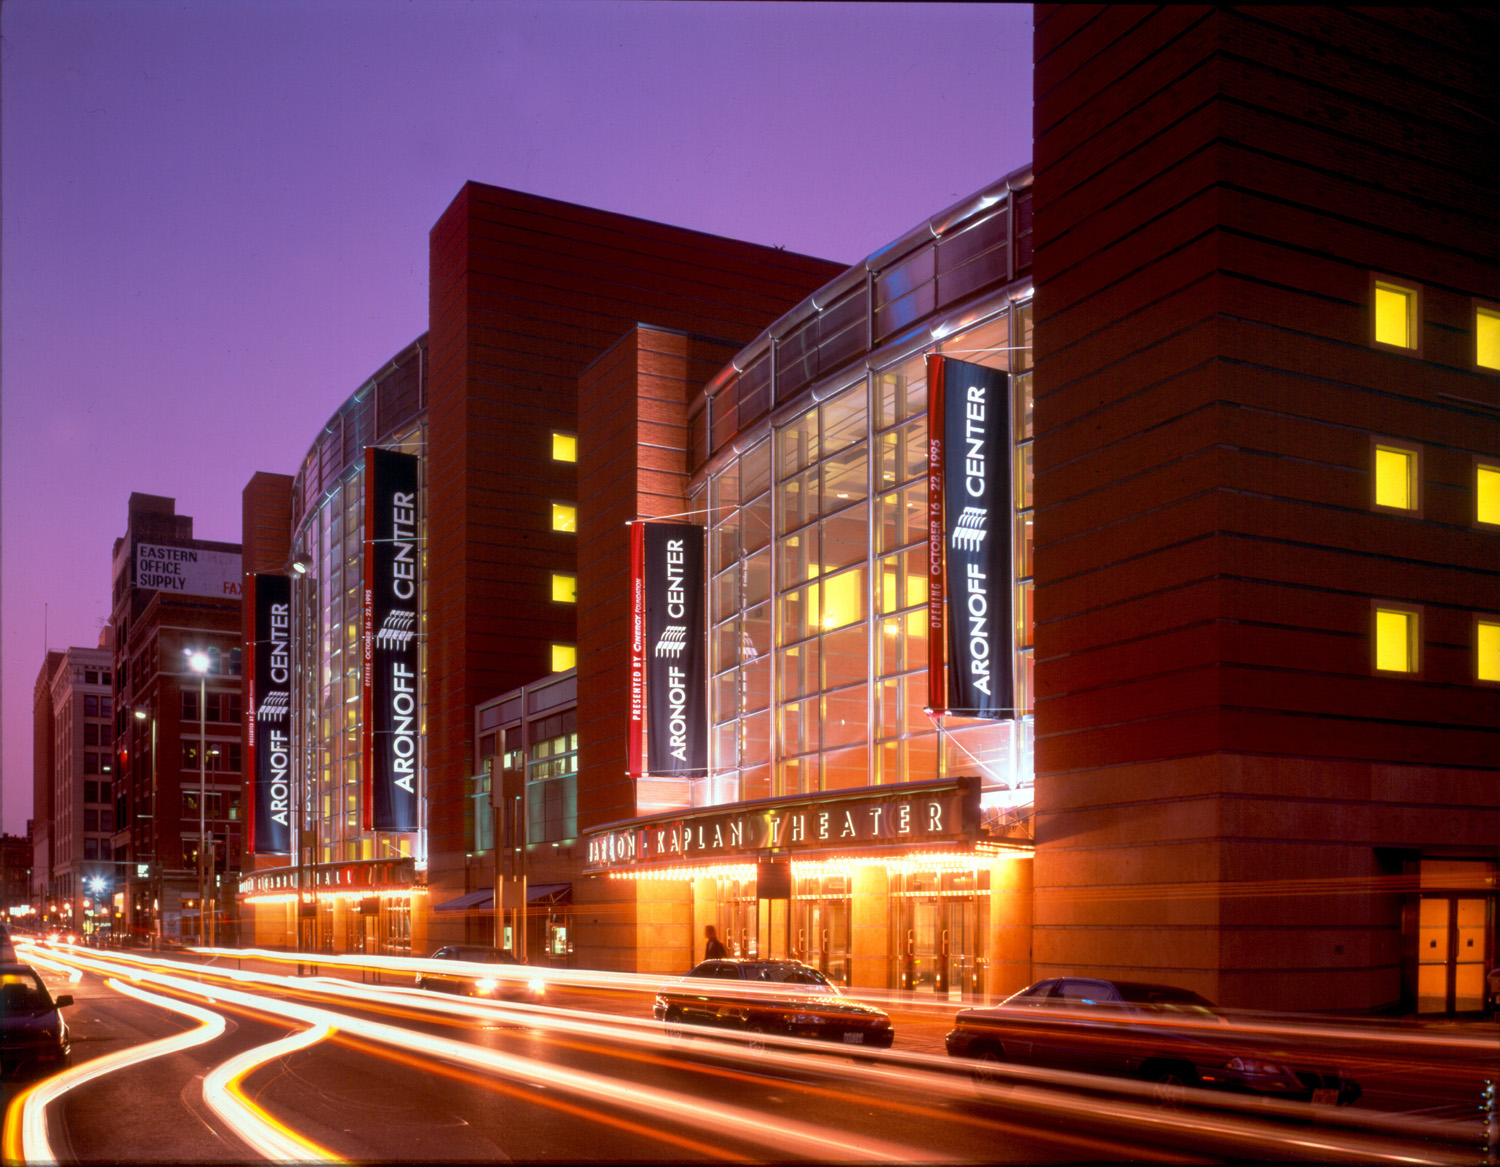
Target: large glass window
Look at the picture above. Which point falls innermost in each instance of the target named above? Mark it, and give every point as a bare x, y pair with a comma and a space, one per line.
818, 593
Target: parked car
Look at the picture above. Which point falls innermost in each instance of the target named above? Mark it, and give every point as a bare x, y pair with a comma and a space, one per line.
35, 1038
516, 981
1170, 1037
760, 997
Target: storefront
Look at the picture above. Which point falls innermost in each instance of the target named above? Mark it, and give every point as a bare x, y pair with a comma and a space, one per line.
901, 889
356, 907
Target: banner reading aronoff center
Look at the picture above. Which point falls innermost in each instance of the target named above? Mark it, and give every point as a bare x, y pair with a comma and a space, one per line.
391, 721
669, 651
969, 536
270, 738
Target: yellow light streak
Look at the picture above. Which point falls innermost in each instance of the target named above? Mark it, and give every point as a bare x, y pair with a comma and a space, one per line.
273, 1139
26, 1120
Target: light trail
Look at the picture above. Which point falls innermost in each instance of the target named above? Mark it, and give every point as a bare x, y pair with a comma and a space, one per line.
902, 1074
787, 1136
273, 1139
25, 1139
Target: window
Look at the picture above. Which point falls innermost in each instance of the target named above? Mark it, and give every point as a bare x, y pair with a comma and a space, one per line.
1396, 477
1487, 649
564, 448
564, 588
1487, 494
564, 657
1487, 338
564, 516
1396, 640
1395, 315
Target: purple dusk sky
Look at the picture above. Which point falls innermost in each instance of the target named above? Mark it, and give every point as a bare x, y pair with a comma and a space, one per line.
216, 214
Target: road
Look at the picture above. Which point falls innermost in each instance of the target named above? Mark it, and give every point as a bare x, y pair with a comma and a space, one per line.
180, 1062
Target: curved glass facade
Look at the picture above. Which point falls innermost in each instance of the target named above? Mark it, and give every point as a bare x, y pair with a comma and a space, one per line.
818, 534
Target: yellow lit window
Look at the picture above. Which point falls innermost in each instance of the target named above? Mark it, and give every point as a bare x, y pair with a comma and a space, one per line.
1395, 478
1487, 338
1395, 315
564, 517
564, 588
1487, 650
1487, 494
1395, 640
564, 448
564, 657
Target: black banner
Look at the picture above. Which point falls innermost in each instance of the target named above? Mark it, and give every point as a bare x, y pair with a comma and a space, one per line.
676, 645
270, 736
969, 428
391, 700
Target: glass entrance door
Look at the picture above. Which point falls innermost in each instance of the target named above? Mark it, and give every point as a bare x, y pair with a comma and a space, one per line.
938, 934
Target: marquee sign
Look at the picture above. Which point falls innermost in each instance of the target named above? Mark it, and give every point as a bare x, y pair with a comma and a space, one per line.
269, 740
187, 570
669, 651
970, 506
921, 814
390, 658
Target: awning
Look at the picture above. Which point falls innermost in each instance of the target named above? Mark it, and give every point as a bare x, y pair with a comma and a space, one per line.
483, 900
550, 893
471, 901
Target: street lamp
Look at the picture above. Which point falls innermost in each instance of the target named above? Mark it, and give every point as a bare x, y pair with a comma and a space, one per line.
199, 662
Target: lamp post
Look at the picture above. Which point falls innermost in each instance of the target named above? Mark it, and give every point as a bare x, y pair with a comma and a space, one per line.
153, 872
198, 661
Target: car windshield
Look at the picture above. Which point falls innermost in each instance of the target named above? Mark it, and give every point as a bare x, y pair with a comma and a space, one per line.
1167, 999
23, 993
787, 973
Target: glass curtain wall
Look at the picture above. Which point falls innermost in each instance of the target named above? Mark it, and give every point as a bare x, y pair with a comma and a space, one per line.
818, 592
326, 698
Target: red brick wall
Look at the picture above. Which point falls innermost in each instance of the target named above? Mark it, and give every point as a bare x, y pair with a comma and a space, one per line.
1214, 188
524, 293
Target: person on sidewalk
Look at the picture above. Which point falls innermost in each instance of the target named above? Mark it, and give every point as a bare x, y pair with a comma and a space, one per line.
714, 948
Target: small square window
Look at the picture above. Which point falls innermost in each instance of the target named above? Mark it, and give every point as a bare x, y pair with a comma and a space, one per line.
1487, 650
1395, 315
564, 657
1395, 477
1487, 494
1487, 338
564, 588
564, 448
1395, 640
564, 517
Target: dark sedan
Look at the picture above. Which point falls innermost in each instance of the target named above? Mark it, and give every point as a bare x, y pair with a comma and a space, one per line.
1169, 1037
760, 997
35, 1037
508, 979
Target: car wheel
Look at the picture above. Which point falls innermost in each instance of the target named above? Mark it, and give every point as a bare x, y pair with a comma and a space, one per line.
986, 1072
672, 1026
756, 1042
1170, 1083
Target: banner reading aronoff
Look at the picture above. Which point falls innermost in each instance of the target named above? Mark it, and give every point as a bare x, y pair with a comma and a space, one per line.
668, 651
391, 719
270, 737
969, 540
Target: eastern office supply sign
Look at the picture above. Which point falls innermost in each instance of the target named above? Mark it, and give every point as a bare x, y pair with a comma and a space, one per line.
668, 651
270, 737
187, 570
390, 651
970, 513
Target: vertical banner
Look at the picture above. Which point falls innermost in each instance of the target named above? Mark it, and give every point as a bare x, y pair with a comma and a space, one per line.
636, 733
970, 521
676, 639
270, 733
390, 658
